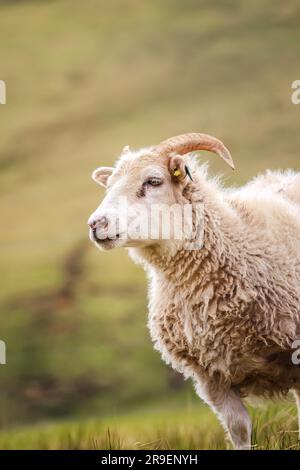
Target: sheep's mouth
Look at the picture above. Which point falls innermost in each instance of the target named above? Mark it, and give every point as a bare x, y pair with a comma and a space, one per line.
107, 239
107, 242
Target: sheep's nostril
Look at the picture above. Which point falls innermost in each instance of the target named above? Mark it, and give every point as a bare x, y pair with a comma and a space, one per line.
102, 222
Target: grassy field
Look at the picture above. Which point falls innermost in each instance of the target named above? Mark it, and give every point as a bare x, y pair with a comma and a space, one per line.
79, 87
188, 427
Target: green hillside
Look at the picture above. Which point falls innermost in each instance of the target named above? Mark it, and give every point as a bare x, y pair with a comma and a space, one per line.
84, 79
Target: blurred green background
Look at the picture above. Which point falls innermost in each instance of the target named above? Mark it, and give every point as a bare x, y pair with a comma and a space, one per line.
84, 79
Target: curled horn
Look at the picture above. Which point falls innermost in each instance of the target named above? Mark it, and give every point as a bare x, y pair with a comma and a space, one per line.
185, 143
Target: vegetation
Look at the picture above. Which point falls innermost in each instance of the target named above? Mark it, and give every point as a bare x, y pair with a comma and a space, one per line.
83, 79
170, 426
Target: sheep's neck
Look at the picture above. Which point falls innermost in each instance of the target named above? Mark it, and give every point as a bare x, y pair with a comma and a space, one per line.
184, 266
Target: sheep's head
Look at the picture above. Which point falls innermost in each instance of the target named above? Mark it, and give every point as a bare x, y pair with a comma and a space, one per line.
143, 189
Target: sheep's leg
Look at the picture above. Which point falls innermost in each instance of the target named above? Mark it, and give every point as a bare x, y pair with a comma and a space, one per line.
297, 397
231, 411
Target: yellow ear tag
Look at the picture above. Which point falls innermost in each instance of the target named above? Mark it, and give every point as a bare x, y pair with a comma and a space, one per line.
176, 172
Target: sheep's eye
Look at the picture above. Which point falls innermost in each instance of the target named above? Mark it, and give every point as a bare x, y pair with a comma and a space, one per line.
154, 181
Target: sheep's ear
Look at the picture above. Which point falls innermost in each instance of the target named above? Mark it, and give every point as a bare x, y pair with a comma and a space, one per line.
177, 168
101, 175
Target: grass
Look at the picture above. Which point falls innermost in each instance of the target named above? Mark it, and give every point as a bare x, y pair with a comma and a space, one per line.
170, 427
80, 87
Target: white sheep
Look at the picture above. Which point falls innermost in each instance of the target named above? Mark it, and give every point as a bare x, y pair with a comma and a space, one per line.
225, 313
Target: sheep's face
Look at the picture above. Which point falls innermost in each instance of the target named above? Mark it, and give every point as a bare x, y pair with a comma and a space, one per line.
145, 202
141, 206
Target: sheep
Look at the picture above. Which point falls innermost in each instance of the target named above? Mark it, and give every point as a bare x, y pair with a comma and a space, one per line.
225, 314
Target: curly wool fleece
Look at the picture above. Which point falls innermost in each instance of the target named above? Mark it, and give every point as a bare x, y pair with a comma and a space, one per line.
226, 314
231, 310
